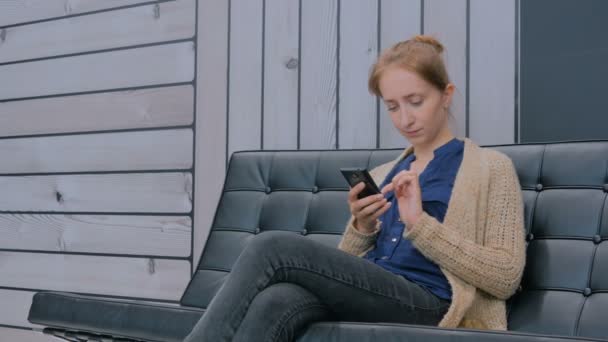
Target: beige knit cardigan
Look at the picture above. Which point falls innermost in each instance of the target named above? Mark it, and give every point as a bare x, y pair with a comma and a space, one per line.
480, 245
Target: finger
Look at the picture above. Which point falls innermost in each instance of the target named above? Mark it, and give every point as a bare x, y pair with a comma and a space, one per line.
354, 191
382, 210
372, 208
387, 188
364, 202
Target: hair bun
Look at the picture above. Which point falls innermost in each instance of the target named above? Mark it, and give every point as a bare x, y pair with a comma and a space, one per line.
429, 40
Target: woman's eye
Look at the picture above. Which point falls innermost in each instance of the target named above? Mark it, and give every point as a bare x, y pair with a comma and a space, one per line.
417, 103
391, 109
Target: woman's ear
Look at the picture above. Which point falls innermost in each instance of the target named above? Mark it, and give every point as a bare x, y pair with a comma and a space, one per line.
448, 92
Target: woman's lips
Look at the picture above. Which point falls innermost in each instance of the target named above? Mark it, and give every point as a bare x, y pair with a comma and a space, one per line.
413, 132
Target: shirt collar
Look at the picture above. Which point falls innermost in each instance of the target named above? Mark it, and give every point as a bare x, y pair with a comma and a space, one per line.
446, 148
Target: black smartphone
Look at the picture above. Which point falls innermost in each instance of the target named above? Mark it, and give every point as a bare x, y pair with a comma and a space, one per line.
355, 176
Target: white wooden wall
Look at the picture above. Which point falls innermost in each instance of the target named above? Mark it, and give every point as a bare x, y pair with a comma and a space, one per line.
97, 147
118, 117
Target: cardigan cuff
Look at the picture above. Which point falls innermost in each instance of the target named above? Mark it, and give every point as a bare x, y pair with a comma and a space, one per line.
356, 242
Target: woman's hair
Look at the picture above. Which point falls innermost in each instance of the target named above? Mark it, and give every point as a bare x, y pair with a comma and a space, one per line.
420, 54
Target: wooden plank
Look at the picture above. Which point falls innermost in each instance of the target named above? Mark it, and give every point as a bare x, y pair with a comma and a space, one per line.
108, 234
281, 66
211, 93
492, 72
358, 50
144, 108
24, 335
159, 64
149, 192
117, 276
318, 76
15, 308
245, 111
142, 150
446, 21
400, 20
132, 26
14, 12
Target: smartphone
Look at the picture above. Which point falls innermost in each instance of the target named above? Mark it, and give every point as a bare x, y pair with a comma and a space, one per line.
355, 176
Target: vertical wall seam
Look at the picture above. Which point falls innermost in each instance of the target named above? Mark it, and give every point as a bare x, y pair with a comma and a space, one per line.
421, 16
517, 99
194, 111
228, 54
299, 100
263, 74
468, 68
338, 33
378, 46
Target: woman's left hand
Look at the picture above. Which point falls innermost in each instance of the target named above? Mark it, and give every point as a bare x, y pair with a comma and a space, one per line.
407, 190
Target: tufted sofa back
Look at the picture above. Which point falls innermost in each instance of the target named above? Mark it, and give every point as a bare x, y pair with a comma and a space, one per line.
564, 186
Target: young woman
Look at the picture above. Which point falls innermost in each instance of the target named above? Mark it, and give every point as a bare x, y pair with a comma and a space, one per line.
443, 245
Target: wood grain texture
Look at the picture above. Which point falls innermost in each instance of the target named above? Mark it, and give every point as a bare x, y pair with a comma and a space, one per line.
15, 308
492, 73
159, 64
446, 21
318, 76
104, 30
22, 335
118, 276
149, 193
358, 51
400, 20
144, 150
107, 234
281, 74
145, 108
245, 107
210, 159
19, 11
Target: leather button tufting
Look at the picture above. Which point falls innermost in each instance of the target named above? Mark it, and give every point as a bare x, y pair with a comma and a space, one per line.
267, 190
530, 237
539, 187
257, 231
605, 187
587, 292
315, 189
304, 232
597, 239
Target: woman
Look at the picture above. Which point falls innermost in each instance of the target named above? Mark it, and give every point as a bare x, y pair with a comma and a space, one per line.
443, 245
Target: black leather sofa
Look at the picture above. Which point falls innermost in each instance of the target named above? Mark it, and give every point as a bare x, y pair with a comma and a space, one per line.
564, 293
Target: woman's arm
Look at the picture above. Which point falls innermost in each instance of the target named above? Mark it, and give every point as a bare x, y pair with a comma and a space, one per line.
497, 266
355, 242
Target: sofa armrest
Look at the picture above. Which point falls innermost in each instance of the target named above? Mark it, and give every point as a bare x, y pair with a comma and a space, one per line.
68, 315
386, 332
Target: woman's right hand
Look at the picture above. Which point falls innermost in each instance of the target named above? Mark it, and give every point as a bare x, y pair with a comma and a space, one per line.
366, 210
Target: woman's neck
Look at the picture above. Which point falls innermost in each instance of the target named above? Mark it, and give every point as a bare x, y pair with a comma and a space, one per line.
426, 153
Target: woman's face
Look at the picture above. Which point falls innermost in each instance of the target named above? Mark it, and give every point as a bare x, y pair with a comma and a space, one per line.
417, 108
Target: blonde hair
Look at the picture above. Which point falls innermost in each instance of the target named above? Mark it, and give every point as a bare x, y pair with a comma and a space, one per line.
421, 54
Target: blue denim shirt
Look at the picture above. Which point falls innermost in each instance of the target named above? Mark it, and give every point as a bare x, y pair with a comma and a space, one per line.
398, 255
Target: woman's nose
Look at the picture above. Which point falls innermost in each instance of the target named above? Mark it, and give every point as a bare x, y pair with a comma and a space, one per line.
405, 119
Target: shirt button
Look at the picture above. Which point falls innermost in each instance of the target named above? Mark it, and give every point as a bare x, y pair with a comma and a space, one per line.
384, 257
394, 240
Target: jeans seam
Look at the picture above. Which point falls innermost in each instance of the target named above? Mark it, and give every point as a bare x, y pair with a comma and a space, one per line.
356, 287
289, 315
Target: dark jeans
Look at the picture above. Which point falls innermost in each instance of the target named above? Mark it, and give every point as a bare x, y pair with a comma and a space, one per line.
282, 282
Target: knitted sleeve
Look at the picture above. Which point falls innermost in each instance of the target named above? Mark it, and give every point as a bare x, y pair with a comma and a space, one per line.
495, 267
